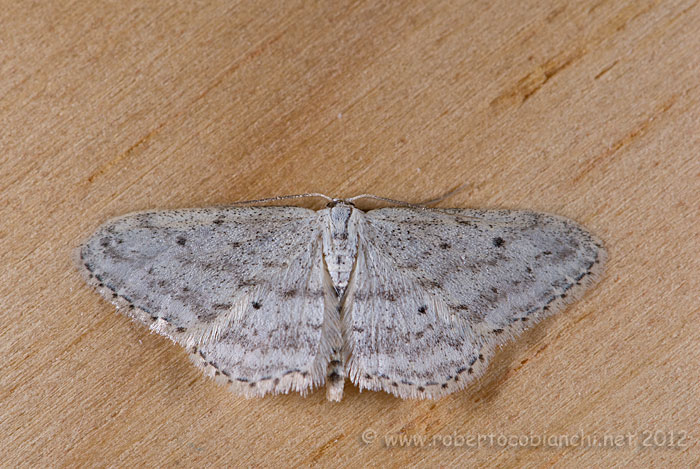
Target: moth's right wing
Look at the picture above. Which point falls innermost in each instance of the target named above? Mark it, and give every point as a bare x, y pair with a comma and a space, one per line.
242, 288
435, 291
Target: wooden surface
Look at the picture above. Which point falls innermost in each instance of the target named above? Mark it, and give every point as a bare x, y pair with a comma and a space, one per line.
590, 110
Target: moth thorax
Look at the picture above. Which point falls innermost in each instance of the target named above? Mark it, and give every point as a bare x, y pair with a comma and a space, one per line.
340, 244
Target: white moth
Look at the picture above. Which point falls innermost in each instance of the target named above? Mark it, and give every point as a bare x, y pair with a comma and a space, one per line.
408, 300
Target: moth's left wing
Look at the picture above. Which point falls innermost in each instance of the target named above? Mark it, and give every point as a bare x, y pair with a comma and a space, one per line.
242, 288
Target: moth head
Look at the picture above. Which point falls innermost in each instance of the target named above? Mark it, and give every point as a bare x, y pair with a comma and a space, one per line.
336, 202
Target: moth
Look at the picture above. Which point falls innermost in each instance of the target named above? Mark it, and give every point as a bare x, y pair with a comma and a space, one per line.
405, 299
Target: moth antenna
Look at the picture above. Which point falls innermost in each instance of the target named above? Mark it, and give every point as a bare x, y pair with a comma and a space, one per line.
282, 197
447, 195
409, 204
383, 199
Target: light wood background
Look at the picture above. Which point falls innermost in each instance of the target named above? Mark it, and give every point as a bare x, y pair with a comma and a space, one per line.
586, 109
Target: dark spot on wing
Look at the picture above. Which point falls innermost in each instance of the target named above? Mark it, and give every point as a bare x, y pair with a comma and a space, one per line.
181, 240
429, 284
498, 241
387, 295
256, 305
422, 309
206, 316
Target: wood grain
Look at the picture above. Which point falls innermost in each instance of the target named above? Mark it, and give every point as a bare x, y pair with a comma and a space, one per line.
586, 109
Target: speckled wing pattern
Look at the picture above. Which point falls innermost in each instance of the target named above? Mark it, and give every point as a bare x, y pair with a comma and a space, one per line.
242, 288
410, 301
435, 291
